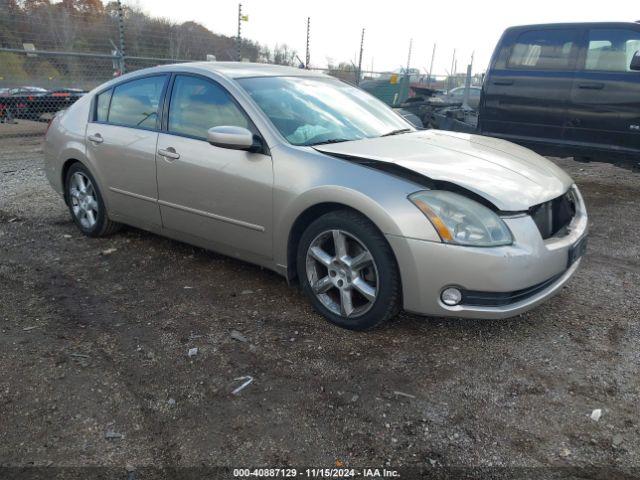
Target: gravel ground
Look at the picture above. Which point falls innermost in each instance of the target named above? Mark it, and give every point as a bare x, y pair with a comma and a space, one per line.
94, 367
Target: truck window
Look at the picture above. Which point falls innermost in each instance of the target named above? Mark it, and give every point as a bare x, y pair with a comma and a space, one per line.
549, 49
611, 50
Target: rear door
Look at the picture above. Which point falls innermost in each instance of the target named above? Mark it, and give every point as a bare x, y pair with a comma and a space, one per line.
605, 99
121, 145
526, 93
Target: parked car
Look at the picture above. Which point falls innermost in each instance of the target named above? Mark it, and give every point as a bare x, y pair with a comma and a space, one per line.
317, 180
31, 103
456, 96
566, 89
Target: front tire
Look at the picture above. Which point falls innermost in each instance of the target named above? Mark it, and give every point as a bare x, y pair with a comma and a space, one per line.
348, 271
85, 203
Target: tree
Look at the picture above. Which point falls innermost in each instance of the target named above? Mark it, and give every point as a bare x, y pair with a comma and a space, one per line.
284, 55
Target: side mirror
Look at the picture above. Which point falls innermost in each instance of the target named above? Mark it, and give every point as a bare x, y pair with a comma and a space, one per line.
235, 138
635, 61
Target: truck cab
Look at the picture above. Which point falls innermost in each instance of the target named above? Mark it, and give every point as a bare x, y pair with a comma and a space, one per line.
566, 89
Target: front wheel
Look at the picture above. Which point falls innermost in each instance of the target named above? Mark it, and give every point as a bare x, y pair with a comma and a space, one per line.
348, 271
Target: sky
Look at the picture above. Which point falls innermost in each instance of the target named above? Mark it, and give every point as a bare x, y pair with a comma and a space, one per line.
469, 27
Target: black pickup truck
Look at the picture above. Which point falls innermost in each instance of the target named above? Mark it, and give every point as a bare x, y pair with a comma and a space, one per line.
560, 89
566, 89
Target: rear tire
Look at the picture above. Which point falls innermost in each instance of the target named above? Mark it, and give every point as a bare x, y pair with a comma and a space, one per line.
86, 204
348, 271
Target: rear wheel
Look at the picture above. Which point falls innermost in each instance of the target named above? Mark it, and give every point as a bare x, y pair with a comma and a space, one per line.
86, 204
348, 270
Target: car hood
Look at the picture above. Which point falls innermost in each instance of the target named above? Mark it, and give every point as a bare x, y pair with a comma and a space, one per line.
511, 177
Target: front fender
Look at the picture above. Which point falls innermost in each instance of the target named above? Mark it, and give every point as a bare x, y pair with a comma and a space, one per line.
396, 217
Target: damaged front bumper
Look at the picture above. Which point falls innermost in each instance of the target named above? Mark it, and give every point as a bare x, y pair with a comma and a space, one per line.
498, 282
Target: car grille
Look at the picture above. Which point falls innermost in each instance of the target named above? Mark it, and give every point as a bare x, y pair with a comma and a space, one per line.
554, 216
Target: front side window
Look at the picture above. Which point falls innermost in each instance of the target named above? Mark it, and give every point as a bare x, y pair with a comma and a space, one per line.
308, 111
611, 50
544, 49
198, 104
135, 103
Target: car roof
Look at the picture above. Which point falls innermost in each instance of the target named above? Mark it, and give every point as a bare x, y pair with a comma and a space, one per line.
632, 25
471, 87
229, 70
241, 69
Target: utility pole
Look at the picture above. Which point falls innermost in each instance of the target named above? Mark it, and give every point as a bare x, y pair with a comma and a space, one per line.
308, 58
433, 55
121, 37
453, 66
467, 85
239, 37
360, 59
409, 56
455, 74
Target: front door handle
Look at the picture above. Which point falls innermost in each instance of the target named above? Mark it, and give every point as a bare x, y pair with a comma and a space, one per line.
591, 86
97, 138
169, 153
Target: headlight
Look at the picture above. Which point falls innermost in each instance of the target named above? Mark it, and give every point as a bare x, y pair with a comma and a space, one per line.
462, 221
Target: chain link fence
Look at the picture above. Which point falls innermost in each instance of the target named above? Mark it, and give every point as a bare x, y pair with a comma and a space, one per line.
53, 53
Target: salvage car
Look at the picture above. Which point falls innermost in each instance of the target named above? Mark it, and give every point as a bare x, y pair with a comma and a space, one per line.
31, 103
315, 179
456, 96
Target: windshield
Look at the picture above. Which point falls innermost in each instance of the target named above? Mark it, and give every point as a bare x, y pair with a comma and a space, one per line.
311, 111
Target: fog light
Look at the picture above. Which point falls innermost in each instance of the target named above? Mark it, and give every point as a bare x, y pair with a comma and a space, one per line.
451, 296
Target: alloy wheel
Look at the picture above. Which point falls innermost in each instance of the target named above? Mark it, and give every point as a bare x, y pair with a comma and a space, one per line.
83, 200
342, 273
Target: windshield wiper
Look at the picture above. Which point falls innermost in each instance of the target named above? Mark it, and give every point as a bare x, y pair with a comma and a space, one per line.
397, 132
331, 140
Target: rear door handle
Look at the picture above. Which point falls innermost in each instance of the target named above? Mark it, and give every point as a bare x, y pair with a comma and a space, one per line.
503, 82
97, 138
169, 153
591, 86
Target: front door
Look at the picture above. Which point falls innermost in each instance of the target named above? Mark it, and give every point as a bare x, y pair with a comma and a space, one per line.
220, 195
605, 98
526, 92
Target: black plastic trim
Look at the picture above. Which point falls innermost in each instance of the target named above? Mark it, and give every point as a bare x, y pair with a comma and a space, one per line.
500, 299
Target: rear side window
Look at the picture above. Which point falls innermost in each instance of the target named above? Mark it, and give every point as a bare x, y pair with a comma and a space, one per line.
611, 50
135, 103
544, 49
102, 106
198, 104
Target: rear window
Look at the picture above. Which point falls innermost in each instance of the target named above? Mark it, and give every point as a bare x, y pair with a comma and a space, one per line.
544, 49
135, 103
102, 106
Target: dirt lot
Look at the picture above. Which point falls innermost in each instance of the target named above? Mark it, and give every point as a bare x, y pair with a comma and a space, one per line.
94, 367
